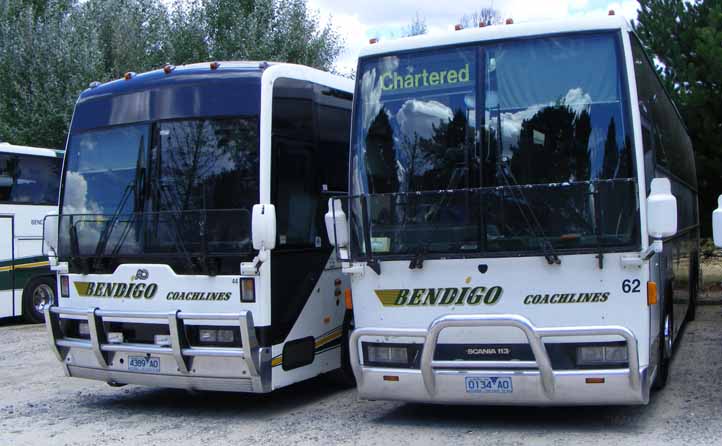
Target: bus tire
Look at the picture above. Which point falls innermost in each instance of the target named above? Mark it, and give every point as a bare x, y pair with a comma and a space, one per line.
343, 376
37, 293
665, 347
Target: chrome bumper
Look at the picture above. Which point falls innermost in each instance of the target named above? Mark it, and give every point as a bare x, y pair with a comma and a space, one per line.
245, 368
534, 382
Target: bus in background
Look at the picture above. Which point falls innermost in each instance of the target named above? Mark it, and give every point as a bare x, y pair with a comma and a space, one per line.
29, 180
522, 219
190, 245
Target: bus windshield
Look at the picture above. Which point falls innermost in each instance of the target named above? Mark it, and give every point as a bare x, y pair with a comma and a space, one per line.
507, 146
169, 187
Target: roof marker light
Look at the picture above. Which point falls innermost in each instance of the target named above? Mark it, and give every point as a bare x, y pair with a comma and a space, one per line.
458, 27
373, 41
129, 75
612, 12
167, 68
509, 21
215, 65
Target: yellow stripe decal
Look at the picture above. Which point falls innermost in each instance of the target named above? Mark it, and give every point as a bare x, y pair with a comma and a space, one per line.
320, 342
24, 266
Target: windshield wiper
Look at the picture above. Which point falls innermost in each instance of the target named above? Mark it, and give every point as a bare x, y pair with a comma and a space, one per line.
546, 246
531, 221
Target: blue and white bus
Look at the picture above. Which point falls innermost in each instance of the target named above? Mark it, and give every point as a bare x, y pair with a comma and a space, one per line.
190, 245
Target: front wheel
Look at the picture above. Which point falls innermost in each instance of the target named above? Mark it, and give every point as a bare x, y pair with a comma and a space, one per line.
344, 375
39, 292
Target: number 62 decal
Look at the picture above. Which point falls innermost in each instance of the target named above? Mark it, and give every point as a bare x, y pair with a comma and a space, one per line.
631, 286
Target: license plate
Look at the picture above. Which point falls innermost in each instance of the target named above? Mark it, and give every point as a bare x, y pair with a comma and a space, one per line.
488, 384
144, 364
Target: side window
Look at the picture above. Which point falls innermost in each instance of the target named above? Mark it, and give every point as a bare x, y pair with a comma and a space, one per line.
8, 177
294, 191
334, 128
29, 179
673, 148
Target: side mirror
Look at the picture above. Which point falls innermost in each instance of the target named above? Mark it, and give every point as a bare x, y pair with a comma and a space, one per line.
717, 224
50, 235
263, 227
336, 224
661, 211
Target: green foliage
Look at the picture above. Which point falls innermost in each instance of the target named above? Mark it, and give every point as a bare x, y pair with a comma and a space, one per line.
685, 37
50, 50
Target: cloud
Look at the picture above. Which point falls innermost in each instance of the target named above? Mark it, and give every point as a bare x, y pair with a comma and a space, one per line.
419, 117
359, 21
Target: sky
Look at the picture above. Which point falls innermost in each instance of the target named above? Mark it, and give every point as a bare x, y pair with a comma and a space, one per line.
359, 20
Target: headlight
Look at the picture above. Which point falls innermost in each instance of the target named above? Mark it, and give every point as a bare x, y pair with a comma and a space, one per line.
602, 355
83, 329
115, 337
213, 335
388, 355
391, 355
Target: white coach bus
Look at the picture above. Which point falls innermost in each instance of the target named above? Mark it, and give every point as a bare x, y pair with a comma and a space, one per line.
190, 245
29, 180
522, 220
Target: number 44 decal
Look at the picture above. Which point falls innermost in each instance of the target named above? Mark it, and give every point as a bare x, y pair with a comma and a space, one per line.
631, 286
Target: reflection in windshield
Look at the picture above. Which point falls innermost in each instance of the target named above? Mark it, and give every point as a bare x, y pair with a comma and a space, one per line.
170, 187
551, 111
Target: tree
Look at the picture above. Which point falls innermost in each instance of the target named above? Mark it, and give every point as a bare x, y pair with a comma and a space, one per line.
274, 30
417, 27
487, 16
50, 50
685, 38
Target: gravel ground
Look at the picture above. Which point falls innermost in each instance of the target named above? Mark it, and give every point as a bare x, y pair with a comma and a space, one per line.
38, 405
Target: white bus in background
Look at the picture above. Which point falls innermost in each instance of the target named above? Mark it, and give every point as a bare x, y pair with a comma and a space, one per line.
190, 245
522, 220
29, 181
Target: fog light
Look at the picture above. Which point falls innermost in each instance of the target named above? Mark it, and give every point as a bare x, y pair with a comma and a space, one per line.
115, 337
248, 290
83, 329
205, 335
225, 335
162, 339
388, 355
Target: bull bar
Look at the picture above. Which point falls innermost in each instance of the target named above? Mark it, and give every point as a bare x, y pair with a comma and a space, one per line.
255, 374
425, 388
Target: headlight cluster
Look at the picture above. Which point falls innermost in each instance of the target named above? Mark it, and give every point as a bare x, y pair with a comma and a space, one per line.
602, 355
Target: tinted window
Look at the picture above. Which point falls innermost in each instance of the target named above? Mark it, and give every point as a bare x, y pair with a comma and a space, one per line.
26, 179
334, 125
296, 187
101, 168
673, 147
555, 112
311, 125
